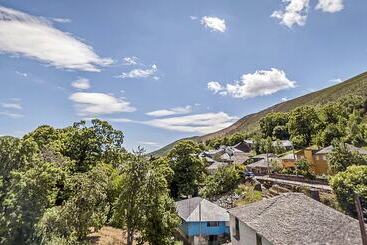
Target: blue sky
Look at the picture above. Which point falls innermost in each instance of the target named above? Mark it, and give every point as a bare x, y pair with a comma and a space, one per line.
163, 70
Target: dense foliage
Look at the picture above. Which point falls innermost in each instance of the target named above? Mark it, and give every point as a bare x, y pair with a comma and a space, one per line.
320, 124
57, 185
223, 180
187, 167
348, 184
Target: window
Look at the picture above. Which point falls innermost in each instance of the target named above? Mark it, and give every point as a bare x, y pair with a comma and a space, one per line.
237, 229
213, 223
258, 240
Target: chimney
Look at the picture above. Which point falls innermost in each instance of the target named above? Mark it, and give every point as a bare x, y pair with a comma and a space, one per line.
315, 194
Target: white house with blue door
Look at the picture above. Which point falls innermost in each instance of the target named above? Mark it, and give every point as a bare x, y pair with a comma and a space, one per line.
203, 222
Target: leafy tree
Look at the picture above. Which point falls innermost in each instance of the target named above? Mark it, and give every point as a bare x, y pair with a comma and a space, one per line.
89, 145
30, 193
349, 183
301, 125
86, 208
144, 205
222, 181
340, 158
187, 167
274, 120
160, 218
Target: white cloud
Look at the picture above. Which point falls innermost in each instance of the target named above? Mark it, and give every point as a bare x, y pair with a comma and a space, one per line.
336, 80
214, 86
214, 23
133, 60
61, 20
11, 114
141, 73
36, 38
170, 112
284, 99
81, 83
193, 17
23, 74
17, 106
89, 104
12, 104
257, 84
295, 13
197, 123
150, 143
330, 6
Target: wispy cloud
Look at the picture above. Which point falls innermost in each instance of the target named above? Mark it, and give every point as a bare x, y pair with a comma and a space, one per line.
263, 82
295, 13
133, 60
214, 23
149, 143
36, 38
81, 83
336, 80
61, 20
330, 6
22, 74
11, 114
90, 104
196, 123
170, 112
140, 73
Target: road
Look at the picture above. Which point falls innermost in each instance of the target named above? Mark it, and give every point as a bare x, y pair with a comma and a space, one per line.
291, 182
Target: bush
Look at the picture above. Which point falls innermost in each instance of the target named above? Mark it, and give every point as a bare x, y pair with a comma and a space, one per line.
224, 180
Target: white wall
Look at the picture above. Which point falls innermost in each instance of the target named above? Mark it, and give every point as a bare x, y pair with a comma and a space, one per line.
247, 234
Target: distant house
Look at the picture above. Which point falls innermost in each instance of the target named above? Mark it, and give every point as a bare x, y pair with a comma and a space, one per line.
286, 144
263, 166
292, 218
318, 158
214, 166
244, 146
203, 222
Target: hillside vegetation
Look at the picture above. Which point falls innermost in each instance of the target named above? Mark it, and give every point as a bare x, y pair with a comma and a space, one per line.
353, 86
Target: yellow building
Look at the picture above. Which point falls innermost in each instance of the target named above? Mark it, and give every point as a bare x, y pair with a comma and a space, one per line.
318, 158
318, 165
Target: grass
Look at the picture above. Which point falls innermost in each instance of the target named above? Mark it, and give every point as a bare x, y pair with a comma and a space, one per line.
250, 195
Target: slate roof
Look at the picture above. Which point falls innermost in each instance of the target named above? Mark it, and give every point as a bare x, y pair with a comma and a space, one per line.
350, 147
263, 163
215, 165
188, 210
289, 156
284, 143
260, 156
294, 218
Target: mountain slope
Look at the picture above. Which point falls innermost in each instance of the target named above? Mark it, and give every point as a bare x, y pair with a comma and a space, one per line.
356, 86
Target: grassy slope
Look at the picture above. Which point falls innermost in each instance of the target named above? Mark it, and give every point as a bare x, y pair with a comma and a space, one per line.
356, 85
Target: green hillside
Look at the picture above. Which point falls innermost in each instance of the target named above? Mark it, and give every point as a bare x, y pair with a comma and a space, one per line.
356, 86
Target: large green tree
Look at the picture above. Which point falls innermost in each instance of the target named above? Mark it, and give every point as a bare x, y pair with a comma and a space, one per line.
346, 185
188, 169
144, 206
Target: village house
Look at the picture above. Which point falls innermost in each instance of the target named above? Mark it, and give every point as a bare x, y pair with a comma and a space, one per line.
291, 218
318, 158
263, 166
203, 222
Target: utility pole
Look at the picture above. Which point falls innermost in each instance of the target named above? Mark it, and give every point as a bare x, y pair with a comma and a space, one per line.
357, 202
200, 223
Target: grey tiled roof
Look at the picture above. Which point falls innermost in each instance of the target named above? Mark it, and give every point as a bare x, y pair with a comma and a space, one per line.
350, 147
188, 210
263, 163
215, 165
294, 218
